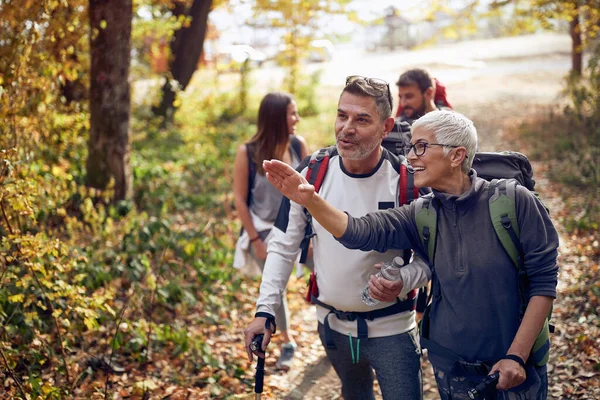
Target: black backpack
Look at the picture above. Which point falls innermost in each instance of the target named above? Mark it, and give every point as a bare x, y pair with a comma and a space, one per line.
504, 165
398, 140
489, 165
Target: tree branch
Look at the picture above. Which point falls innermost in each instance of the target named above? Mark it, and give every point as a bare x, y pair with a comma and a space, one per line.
112, 352
12, 374
6, 217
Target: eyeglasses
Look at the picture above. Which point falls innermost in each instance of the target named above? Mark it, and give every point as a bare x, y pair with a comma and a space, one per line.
376, 83
420, 147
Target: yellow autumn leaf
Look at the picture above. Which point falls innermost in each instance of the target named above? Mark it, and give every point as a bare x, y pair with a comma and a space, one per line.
146, 384
151, 281
90, 323
47, 388
189, 248
110, 310
57, 171
16, 298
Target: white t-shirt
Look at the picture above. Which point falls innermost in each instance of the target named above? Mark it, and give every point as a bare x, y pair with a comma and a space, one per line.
341, 273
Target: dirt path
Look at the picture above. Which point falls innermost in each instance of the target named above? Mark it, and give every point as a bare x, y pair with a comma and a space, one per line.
496, 104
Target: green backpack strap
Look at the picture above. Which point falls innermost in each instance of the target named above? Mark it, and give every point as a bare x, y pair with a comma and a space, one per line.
426, 219
504, 219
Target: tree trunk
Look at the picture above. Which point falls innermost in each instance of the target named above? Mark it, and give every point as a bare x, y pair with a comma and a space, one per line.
576, 47
108, 147
186, 49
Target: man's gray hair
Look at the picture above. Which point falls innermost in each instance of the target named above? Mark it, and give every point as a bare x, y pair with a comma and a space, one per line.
360, 87
451, 128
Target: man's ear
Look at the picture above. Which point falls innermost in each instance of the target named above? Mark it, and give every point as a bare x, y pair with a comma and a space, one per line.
429, 93
388, 124
458, 156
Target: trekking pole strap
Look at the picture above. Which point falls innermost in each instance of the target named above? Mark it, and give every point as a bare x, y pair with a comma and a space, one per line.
270, 321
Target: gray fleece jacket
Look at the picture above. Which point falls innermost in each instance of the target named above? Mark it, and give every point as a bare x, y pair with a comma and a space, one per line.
477, 313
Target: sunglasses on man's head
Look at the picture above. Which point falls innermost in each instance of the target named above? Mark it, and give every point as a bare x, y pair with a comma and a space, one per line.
373, 82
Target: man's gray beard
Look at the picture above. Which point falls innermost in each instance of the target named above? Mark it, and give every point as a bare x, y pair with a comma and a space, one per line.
360, 153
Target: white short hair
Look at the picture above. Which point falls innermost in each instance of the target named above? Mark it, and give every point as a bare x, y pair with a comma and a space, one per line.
451, 128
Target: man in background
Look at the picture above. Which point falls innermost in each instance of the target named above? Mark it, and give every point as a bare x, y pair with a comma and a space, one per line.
418, 94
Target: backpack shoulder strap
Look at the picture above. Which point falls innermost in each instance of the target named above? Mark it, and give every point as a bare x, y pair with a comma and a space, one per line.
504, 217
296, 146
318, 165
251, 173
315, 173
426, 219
407, 191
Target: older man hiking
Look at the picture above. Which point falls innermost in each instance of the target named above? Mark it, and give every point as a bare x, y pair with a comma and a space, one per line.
360, 340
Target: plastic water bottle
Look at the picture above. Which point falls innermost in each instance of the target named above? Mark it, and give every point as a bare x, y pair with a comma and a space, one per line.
390, 270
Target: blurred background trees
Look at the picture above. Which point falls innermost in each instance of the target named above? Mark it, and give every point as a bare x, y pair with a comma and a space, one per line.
297, 23
185, 50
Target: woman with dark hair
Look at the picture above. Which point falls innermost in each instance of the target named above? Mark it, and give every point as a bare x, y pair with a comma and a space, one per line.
257, 201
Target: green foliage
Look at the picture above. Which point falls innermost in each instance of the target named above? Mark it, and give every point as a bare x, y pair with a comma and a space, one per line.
82, 278
306, 95
73, 266
152, 30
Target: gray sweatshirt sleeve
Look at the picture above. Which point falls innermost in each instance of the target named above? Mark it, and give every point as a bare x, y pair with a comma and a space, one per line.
539, 241
382, 230
414, 275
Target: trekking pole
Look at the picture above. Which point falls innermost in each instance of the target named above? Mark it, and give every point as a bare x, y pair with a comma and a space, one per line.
489, 382
259, 378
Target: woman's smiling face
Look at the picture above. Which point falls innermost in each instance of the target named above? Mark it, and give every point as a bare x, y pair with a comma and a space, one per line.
432, 168
292, 117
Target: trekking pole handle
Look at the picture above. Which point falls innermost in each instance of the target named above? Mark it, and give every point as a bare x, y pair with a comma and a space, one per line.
256, 343
259, 378
487, 383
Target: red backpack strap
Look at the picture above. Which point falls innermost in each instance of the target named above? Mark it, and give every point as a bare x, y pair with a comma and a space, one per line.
317, 168
407, 191
319, 160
